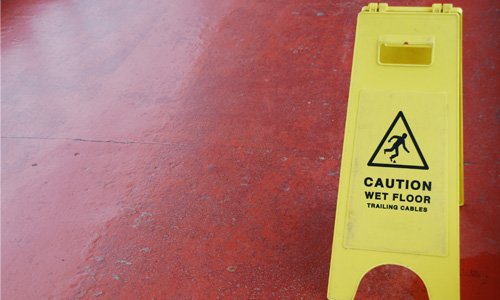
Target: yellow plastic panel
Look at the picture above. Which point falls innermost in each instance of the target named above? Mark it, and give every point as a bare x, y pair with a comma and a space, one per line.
401, 174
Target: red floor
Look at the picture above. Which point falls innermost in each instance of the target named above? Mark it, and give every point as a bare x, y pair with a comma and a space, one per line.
189, 149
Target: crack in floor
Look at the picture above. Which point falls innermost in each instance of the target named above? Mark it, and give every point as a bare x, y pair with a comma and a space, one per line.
92, 140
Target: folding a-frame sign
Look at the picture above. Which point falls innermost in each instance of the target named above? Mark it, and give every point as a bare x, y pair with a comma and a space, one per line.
402, 177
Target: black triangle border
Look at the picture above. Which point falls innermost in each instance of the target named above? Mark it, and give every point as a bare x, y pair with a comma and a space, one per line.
398, 116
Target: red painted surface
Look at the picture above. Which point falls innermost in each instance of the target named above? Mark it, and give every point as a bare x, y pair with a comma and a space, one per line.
190, 149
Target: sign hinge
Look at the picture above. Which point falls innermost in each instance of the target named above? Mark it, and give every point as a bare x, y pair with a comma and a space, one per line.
377, 7
442, 8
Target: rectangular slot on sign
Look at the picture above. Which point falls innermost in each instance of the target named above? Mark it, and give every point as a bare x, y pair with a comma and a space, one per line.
405, 54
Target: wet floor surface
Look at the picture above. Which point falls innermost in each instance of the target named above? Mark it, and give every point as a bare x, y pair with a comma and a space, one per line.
191, 149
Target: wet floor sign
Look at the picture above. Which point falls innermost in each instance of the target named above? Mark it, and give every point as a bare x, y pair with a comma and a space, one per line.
401, 179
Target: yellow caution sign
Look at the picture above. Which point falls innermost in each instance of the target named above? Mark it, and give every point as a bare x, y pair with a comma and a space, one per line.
401, 177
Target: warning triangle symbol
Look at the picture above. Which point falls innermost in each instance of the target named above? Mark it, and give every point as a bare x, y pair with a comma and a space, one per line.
398, 148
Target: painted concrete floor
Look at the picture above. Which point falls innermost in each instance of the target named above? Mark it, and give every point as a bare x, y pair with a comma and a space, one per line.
190, 149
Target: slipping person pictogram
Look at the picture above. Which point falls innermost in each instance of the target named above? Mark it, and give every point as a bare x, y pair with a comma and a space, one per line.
402, 135
400, 141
